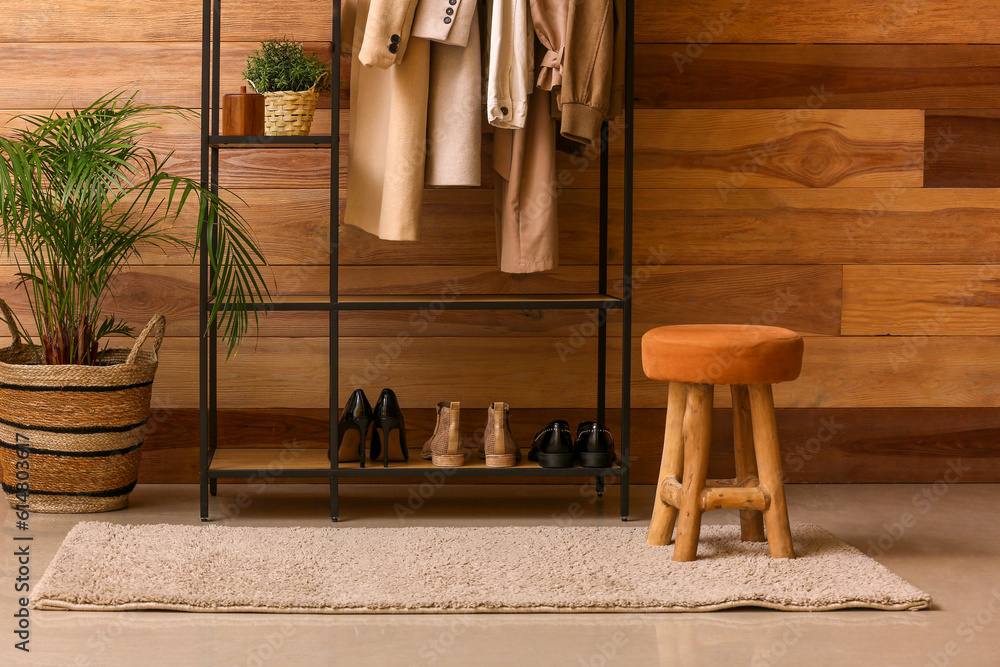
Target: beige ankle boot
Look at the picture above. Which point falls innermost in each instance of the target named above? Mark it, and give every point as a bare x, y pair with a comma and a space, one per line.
499, 448
444, 449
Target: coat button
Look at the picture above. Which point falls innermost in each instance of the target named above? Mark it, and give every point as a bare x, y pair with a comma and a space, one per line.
447, 19
449, 11
394, 39
503, 110
393, 48
452, 2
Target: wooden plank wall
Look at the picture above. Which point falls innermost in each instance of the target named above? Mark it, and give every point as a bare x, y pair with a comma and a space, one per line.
826, 168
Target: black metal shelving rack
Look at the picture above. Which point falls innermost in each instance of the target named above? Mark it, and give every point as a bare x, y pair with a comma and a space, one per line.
216, 463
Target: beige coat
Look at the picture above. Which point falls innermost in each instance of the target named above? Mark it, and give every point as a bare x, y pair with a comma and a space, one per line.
583, 63
394, 86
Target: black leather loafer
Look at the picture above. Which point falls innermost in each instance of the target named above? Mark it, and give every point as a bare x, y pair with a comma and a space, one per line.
553, 446
595, 446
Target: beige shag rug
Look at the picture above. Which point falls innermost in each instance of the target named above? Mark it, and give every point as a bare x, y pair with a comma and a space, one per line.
104, 567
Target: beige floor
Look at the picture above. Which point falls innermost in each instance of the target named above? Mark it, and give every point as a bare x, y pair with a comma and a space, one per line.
949, 546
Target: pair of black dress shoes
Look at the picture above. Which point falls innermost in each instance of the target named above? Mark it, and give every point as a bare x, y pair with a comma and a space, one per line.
352, 429
554, 446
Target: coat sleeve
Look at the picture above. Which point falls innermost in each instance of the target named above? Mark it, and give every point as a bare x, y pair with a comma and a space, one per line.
348, 15
387, 31
587, 69
445, 21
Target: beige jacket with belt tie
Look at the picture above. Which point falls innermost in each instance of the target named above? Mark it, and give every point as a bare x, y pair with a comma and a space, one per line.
414, 103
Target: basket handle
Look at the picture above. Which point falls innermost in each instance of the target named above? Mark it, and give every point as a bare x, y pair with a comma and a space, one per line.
159, 323
8, 316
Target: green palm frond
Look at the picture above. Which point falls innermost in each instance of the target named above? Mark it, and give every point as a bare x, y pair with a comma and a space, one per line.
81, 199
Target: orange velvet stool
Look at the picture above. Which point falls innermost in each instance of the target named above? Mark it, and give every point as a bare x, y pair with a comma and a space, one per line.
693, 359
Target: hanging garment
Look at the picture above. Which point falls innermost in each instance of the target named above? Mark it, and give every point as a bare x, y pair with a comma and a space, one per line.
580, 59
454, 125
392, 93
577, 68
445, 21
550, 18
526, 191
588, 63
510, 70
388, 120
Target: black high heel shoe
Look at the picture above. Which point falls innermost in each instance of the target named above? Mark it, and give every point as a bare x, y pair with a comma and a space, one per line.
388, 417
352, 430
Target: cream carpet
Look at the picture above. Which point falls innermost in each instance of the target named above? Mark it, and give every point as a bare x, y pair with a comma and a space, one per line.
104, 566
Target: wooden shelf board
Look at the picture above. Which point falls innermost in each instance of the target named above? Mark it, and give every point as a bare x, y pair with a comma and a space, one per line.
272, 459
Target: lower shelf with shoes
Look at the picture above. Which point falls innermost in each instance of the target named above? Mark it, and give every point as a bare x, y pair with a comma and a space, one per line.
313, 461
371, 442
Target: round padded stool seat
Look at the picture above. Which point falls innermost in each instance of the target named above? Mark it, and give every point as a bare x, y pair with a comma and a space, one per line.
721, 354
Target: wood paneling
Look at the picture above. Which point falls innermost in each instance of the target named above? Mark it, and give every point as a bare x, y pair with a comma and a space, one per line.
781, 164
458, 228
837, 226
111, 20
137, 294
941, 301
837, 372
818, 445
292, 372
708, 22
803, 298
963, 149
162, 72
896, 372
731, 149
810, 76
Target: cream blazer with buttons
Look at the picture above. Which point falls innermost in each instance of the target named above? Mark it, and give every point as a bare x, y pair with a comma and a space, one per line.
398, 107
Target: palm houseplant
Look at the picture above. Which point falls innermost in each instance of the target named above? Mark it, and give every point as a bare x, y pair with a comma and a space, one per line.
80, 199
291, 81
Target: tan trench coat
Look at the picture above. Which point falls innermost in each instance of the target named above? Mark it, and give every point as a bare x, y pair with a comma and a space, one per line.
414, 116
580, 73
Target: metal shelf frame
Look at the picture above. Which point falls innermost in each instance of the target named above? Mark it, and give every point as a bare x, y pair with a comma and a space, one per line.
211, 145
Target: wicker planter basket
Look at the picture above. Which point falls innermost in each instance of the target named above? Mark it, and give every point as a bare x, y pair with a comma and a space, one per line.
288, 113
79, 428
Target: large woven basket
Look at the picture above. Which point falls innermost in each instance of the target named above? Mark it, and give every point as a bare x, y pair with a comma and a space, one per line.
288, 113
72, 433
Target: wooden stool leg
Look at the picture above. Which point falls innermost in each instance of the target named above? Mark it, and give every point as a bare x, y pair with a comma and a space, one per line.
697, 442
661, 527
765, 436
751, 521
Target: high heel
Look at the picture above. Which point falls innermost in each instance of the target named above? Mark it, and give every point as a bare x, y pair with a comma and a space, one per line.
352, 430
388, 417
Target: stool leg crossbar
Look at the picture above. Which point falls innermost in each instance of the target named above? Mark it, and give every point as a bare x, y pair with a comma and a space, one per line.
684, 493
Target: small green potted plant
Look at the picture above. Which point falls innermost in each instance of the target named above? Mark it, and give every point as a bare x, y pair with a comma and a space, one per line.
80, 198
290, 80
